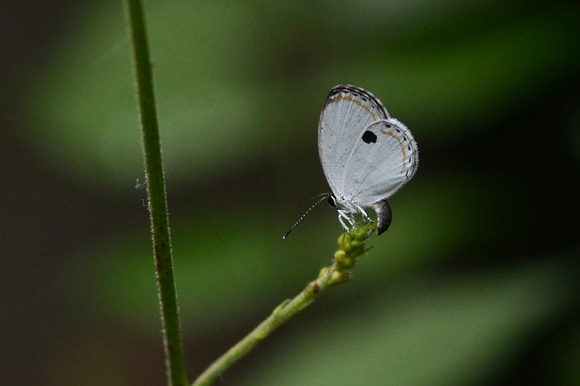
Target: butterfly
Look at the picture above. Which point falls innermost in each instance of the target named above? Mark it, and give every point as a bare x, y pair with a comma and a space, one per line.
366, 155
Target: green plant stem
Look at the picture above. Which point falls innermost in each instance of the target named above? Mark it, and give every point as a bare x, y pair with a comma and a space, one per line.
351, 249
157, 196
328, 277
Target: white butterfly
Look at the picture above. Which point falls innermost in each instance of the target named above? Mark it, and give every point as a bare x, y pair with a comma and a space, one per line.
366, 155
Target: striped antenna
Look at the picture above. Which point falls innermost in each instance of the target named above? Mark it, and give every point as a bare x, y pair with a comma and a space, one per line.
325, 197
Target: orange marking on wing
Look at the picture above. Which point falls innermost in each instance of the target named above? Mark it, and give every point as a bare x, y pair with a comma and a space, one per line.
356, 102
402, 146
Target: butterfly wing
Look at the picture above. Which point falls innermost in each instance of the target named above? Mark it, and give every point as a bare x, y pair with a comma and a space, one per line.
346, 111
366, 155
384, 158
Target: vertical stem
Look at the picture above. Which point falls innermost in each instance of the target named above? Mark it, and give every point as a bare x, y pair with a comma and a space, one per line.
157, 196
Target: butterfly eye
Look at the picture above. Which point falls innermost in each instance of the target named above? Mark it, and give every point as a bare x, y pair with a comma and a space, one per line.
332, 200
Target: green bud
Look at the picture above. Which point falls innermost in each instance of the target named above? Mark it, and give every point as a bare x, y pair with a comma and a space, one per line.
344, 262
340, 277
344, 242
357, 250
349, 263
346, 247
339, 256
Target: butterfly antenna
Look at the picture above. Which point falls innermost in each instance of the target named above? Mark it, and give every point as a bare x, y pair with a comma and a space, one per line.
304, 215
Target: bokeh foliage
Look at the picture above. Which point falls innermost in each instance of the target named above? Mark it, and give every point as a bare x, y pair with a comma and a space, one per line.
471, 275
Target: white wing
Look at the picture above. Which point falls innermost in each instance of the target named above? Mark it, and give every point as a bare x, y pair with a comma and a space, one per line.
347, 110
366, 155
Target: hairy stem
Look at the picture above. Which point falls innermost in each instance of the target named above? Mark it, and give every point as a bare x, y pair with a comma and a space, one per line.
157, 196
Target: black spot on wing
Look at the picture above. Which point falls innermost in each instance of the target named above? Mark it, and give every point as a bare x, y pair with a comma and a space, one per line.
369, 137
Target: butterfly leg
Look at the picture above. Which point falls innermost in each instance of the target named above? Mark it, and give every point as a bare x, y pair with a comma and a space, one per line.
364, 214
343, 216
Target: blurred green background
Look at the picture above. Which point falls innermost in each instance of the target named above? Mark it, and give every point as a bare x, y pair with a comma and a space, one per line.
475, 283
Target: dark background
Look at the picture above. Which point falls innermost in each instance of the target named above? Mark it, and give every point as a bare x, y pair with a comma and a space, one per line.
476, 281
